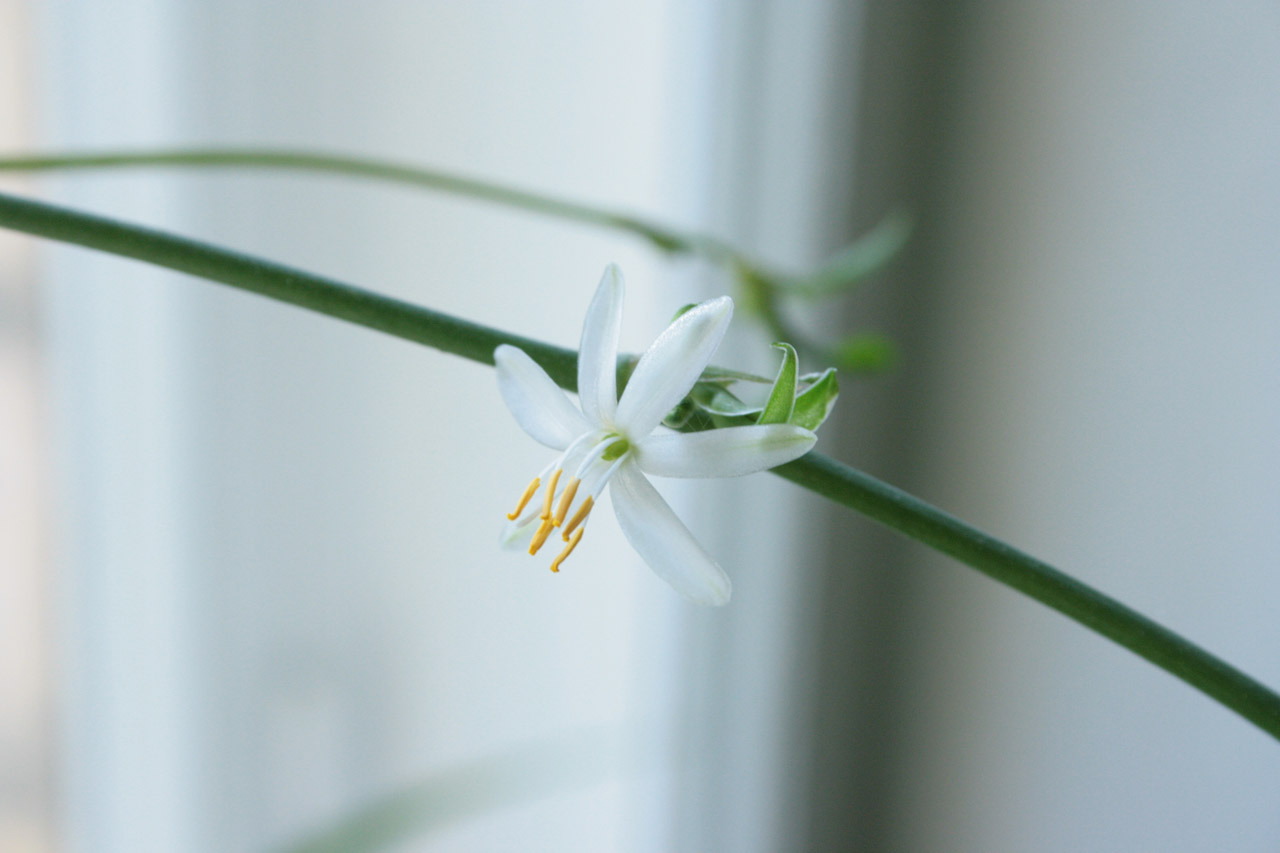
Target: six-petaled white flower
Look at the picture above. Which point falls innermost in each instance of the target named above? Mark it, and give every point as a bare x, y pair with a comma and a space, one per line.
615, 440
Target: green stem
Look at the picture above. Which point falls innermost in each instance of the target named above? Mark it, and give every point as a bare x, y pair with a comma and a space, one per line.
880, 501
1000, 561
559, 764
763, 283
662, 236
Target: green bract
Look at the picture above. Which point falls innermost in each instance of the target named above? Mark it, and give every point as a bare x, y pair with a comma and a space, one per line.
782, 399
803, 401
815, 402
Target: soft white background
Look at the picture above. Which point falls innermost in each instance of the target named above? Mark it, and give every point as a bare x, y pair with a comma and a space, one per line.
1108, 397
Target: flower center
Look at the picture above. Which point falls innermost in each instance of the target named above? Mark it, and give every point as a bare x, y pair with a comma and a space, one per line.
616, 449
593, 457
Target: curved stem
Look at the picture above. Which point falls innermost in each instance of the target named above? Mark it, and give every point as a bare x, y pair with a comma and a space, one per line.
1000, 561
662, 236
884, 503
761, 283
559, 764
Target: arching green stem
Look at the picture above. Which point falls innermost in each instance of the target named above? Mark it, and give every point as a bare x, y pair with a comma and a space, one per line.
662, 236
761, 284
854, 489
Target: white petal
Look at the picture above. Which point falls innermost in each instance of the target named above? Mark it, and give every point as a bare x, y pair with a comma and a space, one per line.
538, 404
670, 367
728, 452
598, 350
664, 542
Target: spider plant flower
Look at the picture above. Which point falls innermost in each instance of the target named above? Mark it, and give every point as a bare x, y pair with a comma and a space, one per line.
607, 439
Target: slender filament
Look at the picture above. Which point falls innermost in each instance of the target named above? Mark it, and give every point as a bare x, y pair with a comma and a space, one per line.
577, 537
524, 499
578, 517
551, 493
544, 530
566, 500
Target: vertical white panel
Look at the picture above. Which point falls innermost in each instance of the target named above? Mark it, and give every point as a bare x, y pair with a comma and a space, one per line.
778, 166
27, 657
108, 76
285, 596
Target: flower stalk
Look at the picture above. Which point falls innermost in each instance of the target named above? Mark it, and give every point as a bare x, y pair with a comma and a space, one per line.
763, 285
859, 491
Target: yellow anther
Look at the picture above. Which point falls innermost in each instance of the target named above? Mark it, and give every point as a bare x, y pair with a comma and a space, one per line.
544, 530
551, 493
524, 499
577, 537
566, 500
578, 517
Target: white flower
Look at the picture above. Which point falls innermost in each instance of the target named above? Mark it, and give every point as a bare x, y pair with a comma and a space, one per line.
614, 440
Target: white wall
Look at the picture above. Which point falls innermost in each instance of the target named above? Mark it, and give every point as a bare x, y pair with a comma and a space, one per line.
1105, 397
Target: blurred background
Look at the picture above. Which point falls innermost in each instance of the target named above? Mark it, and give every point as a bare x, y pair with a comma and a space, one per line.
249, 581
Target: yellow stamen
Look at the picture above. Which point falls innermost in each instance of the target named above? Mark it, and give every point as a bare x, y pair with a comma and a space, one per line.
524, 499
551, 493
566, 500
577, 537
578, 517
544, 530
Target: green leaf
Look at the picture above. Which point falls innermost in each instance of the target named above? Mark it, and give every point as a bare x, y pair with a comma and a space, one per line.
726, 376
715, 406
815, 403
678, 418
866, 353
782, 399
867, 255
722, 401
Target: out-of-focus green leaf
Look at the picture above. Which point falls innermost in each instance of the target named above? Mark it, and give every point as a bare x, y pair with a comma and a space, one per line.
866, 353
868, 254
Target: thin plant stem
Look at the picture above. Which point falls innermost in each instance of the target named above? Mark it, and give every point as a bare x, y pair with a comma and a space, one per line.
665, 237
762, 284
859, 491
562, 763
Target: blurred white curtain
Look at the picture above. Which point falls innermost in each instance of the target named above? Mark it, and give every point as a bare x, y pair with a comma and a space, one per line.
27, 676
283, 594
128, 744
